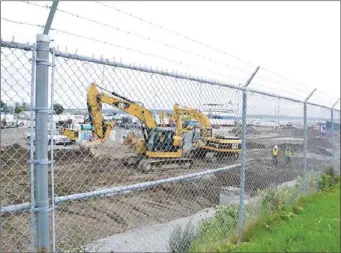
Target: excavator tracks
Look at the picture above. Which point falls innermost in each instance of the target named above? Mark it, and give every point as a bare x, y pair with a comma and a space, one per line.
149, 165
213, 156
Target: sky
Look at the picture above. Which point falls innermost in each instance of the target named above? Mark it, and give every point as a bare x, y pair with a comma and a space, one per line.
298, 40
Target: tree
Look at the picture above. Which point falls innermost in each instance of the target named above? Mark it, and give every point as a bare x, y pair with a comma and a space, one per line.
58, 109
3, 106
19, 109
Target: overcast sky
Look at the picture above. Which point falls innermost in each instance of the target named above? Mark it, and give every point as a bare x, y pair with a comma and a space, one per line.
298, 40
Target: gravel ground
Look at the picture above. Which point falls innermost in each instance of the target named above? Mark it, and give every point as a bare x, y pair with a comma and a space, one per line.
78, 170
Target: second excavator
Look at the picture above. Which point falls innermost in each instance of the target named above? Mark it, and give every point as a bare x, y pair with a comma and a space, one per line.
159, 148
205, 143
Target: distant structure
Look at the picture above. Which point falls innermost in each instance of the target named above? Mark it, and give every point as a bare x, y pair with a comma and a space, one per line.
220, 114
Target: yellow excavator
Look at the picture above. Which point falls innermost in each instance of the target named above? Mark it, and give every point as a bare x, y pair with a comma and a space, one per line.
162, 116
204, 142
159, 148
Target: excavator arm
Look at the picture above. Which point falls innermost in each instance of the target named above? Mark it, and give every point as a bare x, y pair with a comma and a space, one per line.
194, 114
162, 116
95, 100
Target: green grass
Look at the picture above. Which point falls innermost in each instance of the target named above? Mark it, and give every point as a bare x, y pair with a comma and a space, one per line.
311, 224
316, 228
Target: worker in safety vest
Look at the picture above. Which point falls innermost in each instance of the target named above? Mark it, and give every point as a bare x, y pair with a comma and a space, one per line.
288, 155
275, 152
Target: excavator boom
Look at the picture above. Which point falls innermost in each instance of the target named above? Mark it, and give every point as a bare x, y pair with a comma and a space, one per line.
159, 147
225, 145
95, 100
193, 114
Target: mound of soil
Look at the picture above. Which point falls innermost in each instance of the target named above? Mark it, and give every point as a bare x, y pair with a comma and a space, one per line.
254, 145
14, 156
319, 151
250, 130
64, 156
292, 147
321, 142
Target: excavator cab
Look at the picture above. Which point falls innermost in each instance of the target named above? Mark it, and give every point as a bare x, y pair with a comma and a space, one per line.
163, 140
198, 135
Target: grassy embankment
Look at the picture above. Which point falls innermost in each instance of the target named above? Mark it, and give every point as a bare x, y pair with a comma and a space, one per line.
309, 224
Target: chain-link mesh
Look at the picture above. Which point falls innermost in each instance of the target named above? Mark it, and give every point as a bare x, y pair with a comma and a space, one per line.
273, 123
320, 144
106, 197
336, 152
86, 167
16, 102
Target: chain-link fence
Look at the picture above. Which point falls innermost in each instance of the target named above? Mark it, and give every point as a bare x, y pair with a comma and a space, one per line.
131, 155
17, 95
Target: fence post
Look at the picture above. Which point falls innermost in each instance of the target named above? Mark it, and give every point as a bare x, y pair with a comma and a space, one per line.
243, 169
305, 141
41, 139
33, 223
333, 131
333, 140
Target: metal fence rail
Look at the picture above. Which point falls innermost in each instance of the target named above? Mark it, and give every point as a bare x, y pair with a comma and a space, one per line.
82, 193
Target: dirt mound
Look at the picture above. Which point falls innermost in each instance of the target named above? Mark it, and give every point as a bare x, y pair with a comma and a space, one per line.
299, 132
311, 149
254, 145
14, 175
321, 142
292, 147
110, 151
250, 130
63, 156
319, 151
14, 155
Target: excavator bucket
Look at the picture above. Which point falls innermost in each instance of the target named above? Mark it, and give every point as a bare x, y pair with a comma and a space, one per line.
131, 139
95, 108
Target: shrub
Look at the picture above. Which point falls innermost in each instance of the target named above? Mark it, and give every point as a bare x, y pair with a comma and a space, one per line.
325, 182
330, 171
181, 240
273, 199
221, 227
224, 222
328, 179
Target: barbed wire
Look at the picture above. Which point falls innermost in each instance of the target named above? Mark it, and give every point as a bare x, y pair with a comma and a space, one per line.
119, 46
159, 42
21, 22
290, 80
298, 87
263, 77
317, 96
173, 32
261, 86
197, 42
138, 36
325, 95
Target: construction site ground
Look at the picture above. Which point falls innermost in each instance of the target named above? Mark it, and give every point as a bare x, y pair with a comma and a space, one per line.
80, 170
